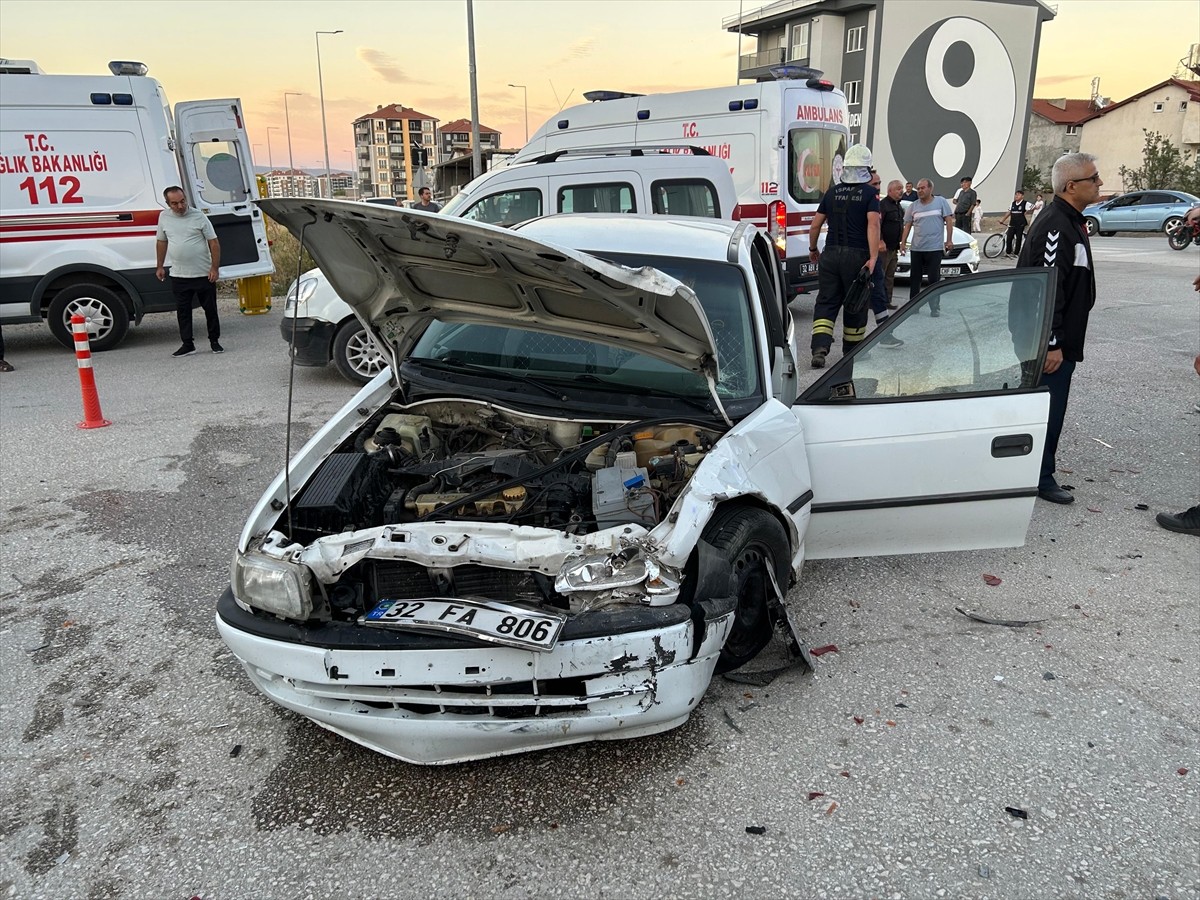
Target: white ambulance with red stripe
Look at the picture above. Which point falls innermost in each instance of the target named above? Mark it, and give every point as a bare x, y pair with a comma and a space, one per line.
84, 160
783, 140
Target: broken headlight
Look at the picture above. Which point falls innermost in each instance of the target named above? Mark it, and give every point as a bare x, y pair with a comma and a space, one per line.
275, 586
628, 575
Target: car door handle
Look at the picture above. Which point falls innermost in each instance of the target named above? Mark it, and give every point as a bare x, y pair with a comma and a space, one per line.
1012, 445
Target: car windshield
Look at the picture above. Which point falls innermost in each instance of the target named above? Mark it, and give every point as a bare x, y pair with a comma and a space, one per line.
524, 354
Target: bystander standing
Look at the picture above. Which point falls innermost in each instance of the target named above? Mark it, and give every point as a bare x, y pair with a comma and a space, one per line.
931, 222
1017, 223
188, 236
964, 203
425, 201
1059, 240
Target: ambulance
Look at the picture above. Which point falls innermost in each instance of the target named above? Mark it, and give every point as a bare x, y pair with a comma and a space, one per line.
84, 160
783, 141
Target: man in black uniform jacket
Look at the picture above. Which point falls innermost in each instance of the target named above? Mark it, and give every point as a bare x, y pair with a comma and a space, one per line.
852, 210
1059, 240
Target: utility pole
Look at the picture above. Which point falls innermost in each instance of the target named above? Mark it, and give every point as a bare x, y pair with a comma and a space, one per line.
476, 162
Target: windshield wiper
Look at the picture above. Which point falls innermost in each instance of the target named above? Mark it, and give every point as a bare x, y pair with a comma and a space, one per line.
452, 364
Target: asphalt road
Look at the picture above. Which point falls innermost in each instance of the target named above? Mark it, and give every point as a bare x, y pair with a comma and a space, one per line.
137, 761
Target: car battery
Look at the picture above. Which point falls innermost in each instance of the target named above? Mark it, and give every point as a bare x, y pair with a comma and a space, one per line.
621, 496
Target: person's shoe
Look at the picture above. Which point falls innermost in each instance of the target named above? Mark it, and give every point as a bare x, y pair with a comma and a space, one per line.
185, 350
818, 358
893, 306
890, 340
216, 348
5, 366
1055, 493
1186, 522
935, 312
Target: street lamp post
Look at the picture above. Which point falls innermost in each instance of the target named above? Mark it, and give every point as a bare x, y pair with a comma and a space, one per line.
270, 152
525, 92
288, 120
324, 129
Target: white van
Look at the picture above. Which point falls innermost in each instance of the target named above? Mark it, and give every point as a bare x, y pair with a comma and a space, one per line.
600, 180
324, 329
783, 142
84, 160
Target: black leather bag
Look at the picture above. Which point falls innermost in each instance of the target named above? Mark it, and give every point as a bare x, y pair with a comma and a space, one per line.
859, 293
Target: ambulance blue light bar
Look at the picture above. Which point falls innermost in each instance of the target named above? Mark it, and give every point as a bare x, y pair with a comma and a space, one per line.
643, 114
101, 99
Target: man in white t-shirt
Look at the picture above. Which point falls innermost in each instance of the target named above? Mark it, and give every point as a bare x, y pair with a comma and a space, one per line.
195, 252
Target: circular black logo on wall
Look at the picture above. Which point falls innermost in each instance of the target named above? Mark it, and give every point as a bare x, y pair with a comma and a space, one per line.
952, 104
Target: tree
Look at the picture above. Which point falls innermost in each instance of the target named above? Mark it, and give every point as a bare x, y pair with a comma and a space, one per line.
1034, 180
1164, 166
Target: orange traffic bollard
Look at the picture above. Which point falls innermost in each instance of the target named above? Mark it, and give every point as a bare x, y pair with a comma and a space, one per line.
92, 417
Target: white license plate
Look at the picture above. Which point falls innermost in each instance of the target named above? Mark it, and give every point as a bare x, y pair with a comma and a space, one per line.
951, 271
807, 268
498, 623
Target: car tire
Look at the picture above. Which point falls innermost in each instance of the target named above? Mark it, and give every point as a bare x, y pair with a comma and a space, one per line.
749, 540
355, 353
1107, 233
107, 317
1092, 226
1171, 224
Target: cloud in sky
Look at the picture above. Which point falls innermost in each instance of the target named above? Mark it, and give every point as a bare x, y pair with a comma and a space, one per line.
580, 49
385, 66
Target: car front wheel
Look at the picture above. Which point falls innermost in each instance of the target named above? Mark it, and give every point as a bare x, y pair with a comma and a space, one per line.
1092, 226
751, 542
355, 353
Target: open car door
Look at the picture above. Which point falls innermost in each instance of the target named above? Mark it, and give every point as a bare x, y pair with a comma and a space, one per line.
935, 444
214, 154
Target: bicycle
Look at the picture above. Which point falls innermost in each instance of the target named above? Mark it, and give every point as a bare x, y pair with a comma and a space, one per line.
993, 247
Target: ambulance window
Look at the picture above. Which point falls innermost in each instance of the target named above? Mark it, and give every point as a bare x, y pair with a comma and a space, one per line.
596, 198
508, 208
814, 162
685, 197
219, 170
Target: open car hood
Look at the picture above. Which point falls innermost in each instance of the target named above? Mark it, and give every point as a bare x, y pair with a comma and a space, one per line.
401, 268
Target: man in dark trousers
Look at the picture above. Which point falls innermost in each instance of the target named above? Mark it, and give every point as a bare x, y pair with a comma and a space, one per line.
1059, 240
195, 262
852, 210
1017, 220
964, 202
891, 225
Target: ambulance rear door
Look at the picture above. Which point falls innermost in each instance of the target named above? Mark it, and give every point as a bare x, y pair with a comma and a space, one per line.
214, 155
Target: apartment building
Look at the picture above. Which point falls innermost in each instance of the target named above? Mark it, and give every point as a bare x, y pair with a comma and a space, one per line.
937, 90
393, 147
292, 183
454, 139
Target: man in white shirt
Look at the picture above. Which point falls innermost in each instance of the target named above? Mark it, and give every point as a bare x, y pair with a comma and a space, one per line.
195, 262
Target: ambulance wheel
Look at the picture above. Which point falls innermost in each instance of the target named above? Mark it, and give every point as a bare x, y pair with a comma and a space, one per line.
106, 317
355, 353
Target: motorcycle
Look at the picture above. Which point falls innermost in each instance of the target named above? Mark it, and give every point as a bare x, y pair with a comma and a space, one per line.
1182, 234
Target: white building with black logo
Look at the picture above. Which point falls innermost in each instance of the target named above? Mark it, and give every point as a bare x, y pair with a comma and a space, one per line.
936, 89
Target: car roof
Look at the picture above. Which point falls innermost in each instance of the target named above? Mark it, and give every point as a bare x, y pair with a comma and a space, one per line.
690, 237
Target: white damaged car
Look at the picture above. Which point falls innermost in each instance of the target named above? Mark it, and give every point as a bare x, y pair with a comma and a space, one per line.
586, 481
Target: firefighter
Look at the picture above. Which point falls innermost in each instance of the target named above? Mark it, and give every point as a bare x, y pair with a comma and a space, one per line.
851, 209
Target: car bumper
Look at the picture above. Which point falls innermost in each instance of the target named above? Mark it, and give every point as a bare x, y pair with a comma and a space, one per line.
801, 275
950, 268
313, 339
447, 704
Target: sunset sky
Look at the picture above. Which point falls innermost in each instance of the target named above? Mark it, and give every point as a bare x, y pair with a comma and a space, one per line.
414, 52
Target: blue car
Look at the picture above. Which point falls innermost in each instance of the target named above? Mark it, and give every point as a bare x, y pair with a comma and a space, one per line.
1138, 211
